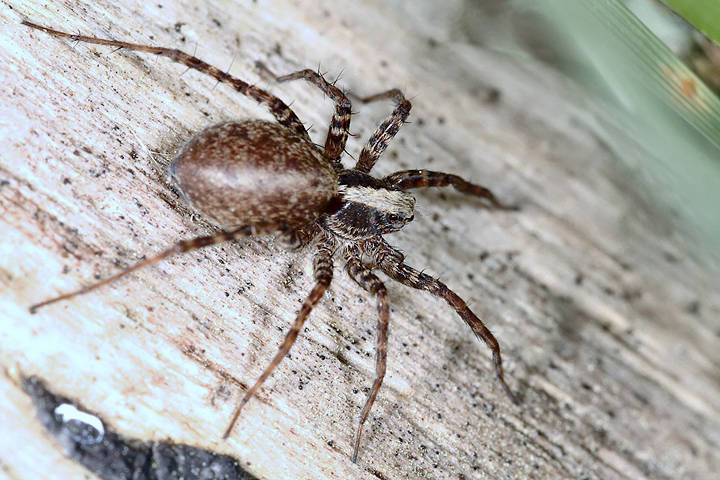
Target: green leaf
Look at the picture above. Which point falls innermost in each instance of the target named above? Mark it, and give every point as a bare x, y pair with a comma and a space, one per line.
704, 15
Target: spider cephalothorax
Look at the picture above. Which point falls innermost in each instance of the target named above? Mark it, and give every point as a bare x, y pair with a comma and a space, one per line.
367, 207
256, 177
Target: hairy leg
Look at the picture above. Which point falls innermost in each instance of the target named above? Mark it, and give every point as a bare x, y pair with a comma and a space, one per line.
378, 141
323, 266
288, 235
340, 124
425, 178
364, 277
282, 113
390, 262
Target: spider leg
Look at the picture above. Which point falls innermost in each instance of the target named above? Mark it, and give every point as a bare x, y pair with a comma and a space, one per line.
288, 235
282, 113
389, 261
323, 266
362, 274
425, 178
378, 141
295, 239
340, 124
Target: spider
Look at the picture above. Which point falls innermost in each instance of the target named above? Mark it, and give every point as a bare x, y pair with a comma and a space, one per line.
256, 177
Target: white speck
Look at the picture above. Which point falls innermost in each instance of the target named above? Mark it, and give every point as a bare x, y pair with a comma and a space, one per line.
84, 428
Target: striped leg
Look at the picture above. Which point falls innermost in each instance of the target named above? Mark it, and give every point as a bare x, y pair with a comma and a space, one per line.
340, 124
425, 178
387, 260
323, 276
379, 140
288, 235
282, 113
367, 280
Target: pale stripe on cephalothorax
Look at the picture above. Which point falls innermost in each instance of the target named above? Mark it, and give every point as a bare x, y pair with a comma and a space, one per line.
390, 201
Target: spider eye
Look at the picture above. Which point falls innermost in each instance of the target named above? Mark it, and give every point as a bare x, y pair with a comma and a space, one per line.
398, 219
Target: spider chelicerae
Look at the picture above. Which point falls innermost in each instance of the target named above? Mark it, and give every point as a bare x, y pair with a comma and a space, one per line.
256, 177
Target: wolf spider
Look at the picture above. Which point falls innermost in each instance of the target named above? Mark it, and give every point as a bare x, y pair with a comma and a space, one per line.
256, 177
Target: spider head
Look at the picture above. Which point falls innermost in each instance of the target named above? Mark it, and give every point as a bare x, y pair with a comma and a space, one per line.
362, 211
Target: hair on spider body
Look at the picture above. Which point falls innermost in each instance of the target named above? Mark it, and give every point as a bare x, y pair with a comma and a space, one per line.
257, 177
254, 171
367, 207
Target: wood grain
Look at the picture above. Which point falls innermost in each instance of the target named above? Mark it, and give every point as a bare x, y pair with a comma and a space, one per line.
606, 316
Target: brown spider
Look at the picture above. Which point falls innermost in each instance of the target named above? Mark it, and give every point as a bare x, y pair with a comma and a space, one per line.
256, 177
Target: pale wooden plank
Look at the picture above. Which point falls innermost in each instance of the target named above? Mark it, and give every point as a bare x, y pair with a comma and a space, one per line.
590, 294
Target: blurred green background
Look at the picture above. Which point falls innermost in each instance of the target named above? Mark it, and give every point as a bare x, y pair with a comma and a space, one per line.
651, 79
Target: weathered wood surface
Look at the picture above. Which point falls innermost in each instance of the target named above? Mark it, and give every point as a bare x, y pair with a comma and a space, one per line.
608, 325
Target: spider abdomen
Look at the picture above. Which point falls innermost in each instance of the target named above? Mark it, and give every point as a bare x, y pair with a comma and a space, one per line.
253, 171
